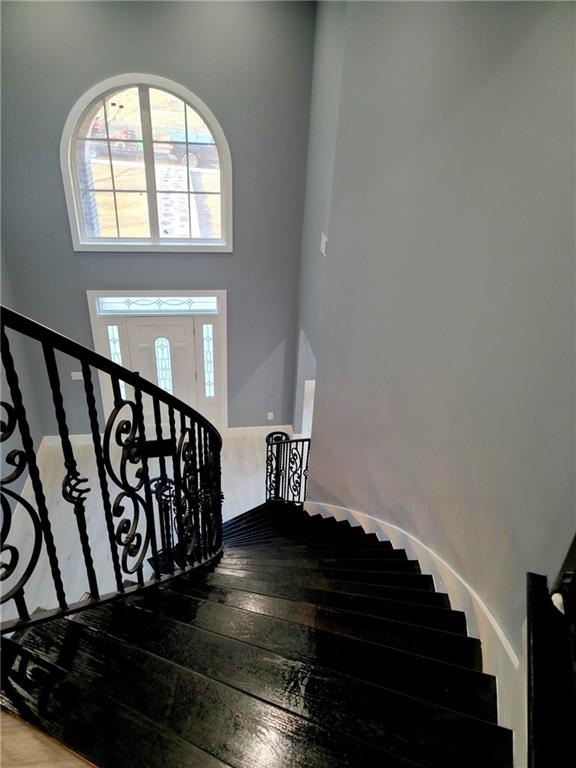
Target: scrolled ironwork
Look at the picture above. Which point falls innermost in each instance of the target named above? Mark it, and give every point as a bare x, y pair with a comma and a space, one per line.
10, 501
180, 510
286, 467
128, 534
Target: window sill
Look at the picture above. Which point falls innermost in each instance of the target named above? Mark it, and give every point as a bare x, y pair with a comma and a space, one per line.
135, 246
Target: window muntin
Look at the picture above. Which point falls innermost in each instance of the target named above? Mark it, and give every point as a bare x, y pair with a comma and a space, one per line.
147, 170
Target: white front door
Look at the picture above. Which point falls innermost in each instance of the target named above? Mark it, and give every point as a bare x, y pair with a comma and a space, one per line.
178, 353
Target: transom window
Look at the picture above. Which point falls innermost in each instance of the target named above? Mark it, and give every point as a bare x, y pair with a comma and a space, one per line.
146, 167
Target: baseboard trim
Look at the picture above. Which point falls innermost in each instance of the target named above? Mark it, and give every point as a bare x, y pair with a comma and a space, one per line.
78, 439
260, 431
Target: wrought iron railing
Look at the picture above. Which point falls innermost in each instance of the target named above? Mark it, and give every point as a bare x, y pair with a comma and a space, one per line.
154, 506
551, 633
286, 467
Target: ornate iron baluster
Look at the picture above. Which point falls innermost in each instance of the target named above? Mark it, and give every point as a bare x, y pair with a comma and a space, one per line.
72, 491
191, 493
16, 459
180, 501
183, 511
97, 442
28, 446
201, 493
286, 467
149, 506
164, 495
133, 542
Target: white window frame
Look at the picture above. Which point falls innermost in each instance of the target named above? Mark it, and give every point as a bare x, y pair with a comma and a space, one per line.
154, 243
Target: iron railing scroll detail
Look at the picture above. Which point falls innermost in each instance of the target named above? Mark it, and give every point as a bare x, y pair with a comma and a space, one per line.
139, 503
286, 467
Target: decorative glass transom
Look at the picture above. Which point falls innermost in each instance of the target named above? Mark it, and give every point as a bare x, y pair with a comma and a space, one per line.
115, 352
146, 169
165, 305
208, 349
163, 364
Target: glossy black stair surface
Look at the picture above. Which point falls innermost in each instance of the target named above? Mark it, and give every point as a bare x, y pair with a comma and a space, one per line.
309, 645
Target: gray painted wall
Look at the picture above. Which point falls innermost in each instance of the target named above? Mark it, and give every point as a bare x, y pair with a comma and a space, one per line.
326, 82
445, 386
251, 63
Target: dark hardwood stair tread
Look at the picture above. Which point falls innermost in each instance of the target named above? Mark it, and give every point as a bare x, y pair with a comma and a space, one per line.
446, 684
298, 563
103, 731
263, 598
291, 551
235, 727
412, 729
370, 601
309, 644
413, 596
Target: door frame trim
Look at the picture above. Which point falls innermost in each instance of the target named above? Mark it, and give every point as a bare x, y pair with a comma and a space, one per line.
93, 294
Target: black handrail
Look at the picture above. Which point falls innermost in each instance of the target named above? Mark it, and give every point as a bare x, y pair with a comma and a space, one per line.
551, 633
286, 467
156, 527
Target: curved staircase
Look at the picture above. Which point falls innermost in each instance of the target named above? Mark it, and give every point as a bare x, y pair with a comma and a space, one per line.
309, 645
276, 640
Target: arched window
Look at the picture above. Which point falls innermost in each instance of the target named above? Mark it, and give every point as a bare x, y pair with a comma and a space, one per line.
146, 166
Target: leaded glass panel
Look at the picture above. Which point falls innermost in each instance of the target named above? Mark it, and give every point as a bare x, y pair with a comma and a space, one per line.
163, 364
208, 348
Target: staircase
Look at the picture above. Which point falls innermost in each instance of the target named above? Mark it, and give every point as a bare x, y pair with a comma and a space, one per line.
277, 640
309, 645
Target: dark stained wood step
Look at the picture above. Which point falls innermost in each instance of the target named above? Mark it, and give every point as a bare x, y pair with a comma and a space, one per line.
281, 516
289, 549
412, 596
359, 587
367, 601
233, 726
311, 528
361, 564
416, 581
103, 731
311, 545
132, 639
448, 685
268, 599
307, 533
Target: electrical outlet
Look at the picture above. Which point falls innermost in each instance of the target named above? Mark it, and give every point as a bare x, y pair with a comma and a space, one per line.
270, 415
